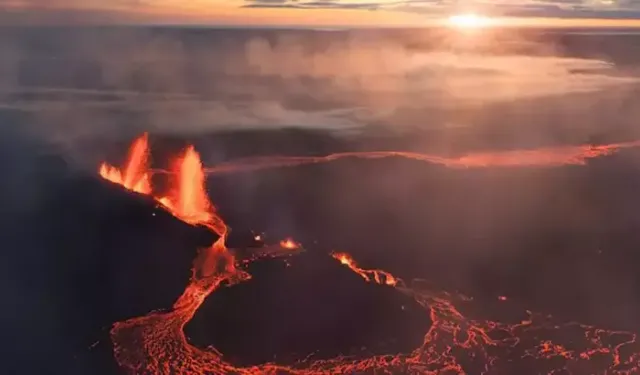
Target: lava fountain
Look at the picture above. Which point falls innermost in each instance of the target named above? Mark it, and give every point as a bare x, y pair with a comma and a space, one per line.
135, 175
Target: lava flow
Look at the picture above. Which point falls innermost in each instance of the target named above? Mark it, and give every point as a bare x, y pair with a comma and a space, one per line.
379, 276
541, 157
455, 344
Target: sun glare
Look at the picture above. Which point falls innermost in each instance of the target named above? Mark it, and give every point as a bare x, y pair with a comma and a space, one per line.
469, 21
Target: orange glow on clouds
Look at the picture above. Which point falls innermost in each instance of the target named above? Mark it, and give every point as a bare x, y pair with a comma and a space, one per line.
222, 12
470, 21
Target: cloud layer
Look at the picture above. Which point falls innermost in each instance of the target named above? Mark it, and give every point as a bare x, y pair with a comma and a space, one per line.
629, 9
70, 11
350, 84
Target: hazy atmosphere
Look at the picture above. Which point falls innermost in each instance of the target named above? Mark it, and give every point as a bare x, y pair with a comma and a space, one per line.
333, 187
531, 86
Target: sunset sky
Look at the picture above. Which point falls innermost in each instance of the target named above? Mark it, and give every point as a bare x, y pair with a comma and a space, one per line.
323, 12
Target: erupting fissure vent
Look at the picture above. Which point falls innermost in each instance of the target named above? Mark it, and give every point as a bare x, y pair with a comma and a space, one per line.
156, 343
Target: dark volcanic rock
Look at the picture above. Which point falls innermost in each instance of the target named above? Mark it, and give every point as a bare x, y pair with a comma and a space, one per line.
117, 248
86, 255
315, 305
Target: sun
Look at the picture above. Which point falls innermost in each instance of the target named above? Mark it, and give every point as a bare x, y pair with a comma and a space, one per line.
469, 21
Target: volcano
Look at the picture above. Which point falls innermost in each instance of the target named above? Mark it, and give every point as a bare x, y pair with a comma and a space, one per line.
261, 317
307, 307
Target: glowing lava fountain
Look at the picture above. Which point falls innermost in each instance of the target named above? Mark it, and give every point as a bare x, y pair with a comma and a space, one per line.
135, 175
156, 343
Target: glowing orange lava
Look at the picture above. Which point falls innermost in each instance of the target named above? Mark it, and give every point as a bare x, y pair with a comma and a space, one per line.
379, 276
188, 199
289, 244
541, 157
156, 343
135, 174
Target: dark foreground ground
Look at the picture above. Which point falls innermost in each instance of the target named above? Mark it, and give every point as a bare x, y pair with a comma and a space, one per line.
308, 307
79, 254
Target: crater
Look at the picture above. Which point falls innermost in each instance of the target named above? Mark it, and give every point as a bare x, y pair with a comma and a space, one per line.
311, 307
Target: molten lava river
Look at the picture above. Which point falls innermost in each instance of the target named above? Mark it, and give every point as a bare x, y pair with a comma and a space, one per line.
454, 344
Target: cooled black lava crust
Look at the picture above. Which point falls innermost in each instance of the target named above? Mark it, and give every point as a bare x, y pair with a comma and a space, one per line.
314, 305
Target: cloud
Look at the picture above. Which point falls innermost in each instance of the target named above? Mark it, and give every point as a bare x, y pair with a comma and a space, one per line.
77, 89
436, 76
159, 84
624, 9
68, 12
132, 11
321, 4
